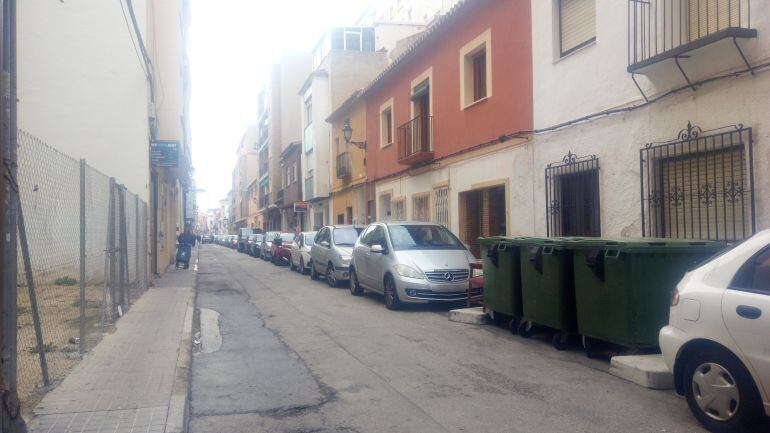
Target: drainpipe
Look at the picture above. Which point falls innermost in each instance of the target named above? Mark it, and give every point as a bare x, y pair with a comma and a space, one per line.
147, 64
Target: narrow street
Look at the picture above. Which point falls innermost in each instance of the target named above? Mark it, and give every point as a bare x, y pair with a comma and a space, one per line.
298, 356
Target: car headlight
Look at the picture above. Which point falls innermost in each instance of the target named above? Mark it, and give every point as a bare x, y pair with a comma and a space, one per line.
409, 272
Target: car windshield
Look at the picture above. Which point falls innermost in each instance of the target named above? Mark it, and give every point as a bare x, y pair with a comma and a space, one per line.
346, 237
423, 237
287, 237
309, 239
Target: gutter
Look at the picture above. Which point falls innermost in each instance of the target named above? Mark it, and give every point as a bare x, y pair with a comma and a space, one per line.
147, 64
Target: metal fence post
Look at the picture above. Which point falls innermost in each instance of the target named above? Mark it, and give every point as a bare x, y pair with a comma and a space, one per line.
122, 246
137, 274
82, 340
32, 297
111, 247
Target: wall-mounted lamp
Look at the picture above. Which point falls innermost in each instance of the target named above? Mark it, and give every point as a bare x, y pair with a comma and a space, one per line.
347, 132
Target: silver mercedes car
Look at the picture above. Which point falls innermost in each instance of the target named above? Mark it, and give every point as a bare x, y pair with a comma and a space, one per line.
410, 262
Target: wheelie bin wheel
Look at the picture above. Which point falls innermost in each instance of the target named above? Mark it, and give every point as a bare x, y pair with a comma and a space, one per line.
589, 345
513, 325
526, 328
559, 341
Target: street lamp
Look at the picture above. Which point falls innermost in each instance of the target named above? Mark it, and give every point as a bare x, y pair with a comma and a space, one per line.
347, 132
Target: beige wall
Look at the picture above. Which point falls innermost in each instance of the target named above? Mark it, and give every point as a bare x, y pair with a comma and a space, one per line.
81, 87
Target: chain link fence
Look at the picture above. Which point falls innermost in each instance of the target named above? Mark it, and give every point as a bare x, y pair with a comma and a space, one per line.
82, 261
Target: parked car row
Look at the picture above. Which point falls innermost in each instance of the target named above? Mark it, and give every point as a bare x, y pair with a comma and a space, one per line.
407, 262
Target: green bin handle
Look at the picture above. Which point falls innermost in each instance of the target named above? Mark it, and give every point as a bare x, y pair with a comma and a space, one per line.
535, 256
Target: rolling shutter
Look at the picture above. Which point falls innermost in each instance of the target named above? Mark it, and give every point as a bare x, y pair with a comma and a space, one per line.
710, 16
703, 196
577, 19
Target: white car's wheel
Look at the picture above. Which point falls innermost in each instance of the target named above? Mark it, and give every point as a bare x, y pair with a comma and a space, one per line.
721, 392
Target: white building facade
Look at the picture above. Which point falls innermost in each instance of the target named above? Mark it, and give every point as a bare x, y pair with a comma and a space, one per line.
646, 129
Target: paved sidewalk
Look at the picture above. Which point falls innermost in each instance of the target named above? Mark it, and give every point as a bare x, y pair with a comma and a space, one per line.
127, 383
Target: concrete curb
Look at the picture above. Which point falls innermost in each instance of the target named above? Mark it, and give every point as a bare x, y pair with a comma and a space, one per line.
179, 404
471, 316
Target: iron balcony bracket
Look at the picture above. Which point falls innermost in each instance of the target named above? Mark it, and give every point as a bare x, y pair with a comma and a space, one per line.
676, 60
633, 77
740, 51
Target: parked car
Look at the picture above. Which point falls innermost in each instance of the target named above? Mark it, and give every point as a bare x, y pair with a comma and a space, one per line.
410, 262
717, 342
330, 253
267, 245
300, 254
282, 246
255, 245
243, 238
250, 241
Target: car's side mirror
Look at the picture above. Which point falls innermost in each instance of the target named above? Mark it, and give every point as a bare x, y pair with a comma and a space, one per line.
377, 249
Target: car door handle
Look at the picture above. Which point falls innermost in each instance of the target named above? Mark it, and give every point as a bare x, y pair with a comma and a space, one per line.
748, 312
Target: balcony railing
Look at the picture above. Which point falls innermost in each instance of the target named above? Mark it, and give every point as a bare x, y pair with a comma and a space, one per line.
415, 140
664, 29
343, 165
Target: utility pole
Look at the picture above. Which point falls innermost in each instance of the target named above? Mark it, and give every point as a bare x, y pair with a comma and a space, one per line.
10, 410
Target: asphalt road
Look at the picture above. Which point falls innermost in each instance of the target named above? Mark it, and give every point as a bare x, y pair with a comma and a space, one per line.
282, 353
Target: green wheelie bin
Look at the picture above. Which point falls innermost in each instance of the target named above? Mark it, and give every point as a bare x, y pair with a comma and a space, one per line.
624, 286
502, 279
548, 291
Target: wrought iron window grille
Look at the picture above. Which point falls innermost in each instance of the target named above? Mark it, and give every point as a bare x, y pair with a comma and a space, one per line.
699, 185
572, 196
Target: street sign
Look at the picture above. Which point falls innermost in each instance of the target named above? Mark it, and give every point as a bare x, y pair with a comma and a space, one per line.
300, 207
164, 154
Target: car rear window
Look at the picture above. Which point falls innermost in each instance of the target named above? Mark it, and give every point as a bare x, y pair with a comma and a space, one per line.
287, 237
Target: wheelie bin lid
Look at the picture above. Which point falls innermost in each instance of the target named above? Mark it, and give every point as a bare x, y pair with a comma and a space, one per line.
647, 245
495, 240
556, 242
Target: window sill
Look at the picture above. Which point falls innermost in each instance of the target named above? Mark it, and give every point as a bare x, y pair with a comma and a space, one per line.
575, 51
475, 103
386, 145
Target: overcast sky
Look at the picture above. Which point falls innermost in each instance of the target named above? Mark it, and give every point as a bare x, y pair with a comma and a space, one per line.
232, 45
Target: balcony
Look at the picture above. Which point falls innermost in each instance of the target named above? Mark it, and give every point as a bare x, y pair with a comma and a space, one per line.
415, 141
668, 29
344, 169
279, 198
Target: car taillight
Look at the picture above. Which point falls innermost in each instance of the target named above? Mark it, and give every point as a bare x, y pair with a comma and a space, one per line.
675, 298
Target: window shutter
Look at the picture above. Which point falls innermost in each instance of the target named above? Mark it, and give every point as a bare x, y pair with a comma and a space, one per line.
710, 16
696, 196
368, 39
338, 39
578, 23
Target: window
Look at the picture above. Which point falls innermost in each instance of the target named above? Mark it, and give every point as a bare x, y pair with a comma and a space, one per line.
577, 24
420, 210
572, 197
699, 186
476, 69
349, 215
346, 236
441, 203
386, 124
480, 76
754, 275
398, 210
309, 109
340, 219
385, 210
351, 39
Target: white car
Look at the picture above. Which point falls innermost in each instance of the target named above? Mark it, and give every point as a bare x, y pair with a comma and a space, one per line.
300, 252
717, 342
